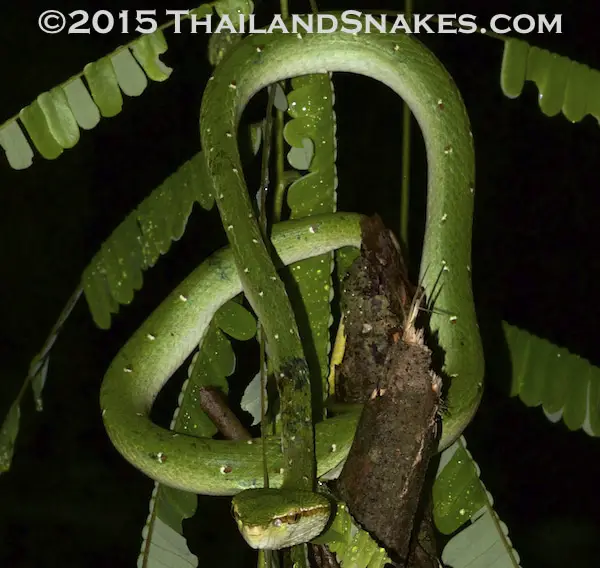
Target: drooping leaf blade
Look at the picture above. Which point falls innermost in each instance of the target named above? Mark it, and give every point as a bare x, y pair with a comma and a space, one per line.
565, 385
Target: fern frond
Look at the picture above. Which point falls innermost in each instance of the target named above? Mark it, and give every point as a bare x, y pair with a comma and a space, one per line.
311, 135
8, 436
564, 85
352, 546
460, 497
115, 272
566, 385
54, 119
163, 543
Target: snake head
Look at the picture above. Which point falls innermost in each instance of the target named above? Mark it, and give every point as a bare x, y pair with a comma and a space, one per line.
279, 518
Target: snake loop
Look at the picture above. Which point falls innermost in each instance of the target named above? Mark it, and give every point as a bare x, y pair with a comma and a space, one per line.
143, 365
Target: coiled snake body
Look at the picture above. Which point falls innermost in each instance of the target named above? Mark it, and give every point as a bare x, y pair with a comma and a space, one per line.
168, 336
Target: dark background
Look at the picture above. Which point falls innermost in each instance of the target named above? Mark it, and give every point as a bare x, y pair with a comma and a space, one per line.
70, 499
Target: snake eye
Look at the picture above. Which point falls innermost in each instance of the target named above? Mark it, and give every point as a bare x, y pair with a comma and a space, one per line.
293, 518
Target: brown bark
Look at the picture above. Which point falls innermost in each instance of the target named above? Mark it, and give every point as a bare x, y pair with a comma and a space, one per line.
214, 403
384, 474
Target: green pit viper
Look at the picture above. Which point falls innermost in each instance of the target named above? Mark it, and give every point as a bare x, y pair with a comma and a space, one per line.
177, 326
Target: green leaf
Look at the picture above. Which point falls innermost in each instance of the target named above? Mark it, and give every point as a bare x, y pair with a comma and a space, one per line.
8, 437
147, 50
236, 321
482, 544
457, 491
300, 157
251, 400
566, 385
97, 294
82, 105
352, 546
130, 76
234, 7
163, 543
219, 354
54, 118
461, 500
136, 244
311, 133
18, 151
104, 86
574, 105
514, 67
36, 125
564, 85
115, 274
255, 135
38, 381
61, 122
552, 90
280, 101
593, 94
126, 238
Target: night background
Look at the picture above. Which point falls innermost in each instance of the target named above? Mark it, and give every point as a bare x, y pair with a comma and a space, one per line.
70, 500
